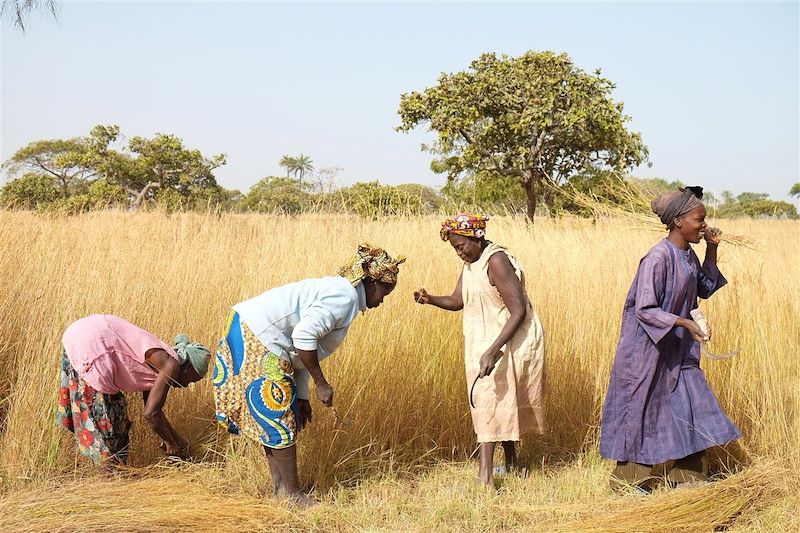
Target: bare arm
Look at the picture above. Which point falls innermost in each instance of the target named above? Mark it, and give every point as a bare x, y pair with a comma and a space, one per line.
322, 388
154, 400
712, 241
454, 302
504, 278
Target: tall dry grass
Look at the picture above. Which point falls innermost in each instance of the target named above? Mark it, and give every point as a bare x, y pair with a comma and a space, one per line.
399, 375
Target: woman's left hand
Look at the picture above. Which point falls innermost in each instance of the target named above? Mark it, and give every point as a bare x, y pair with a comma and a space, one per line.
488, 360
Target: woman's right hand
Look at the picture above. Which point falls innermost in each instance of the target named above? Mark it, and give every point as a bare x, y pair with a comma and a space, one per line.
421, 296
324, 393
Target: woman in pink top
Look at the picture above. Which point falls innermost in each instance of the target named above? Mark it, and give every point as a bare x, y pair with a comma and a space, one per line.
104, 357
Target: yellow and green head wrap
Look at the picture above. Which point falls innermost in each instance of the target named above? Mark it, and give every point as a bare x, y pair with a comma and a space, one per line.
372, 262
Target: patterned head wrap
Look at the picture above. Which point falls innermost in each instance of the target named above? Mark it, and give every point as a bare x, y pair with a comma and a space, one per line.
466, 224
194, 352
374, 263
671, 205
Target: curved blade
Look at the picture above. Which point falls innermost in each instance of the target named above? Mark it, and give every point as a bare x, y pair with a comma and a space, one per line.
471, 390
718, 357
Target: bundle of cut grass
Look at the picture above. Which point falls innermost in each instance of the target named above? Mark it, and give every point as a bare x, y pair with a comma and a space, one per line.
715, 507
633, 203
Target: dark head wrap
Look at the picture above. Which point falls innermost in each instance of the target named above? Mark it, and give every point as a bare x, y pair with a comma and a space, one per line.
671, 205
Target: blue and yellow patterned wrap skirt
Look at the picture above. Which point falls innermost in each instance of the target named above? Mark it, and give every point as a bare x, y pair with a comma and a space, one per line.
254, 389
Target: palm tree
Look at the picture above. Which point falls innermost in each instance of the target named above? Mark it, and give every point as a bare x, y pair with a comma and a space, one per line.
302, 164
288, 162
795, 190
22, 8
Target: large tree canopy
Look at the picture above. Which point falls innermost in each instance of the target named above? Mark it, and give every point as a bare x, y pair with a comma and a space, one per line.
63, 160
143, 168
536, 117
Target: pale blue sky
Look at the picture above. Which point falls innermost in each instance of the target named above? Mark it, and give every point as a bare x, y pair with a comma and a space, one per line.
712, 87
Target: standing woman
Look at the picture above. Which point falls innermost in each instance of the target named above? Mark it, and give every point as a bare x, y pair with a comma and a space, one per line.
105, 356
660, 415
501, 330
272, 344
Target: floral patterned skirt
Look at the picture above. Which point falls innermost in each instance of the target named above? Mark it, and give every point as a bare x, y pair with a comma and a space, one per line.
99, 421
254, 389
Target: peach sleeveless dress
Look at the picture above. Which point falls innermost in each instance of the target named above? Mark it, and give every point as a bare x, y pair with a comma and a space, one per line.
510, 401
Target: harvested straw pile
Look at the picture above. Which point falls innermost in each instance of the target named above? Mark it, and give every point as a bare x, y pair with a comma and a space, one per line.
201, 498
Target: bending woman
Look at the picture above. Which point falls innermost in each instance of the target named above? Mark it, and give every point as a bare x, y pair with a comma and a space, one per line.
274, 342
660, 415
105, 356
501, 330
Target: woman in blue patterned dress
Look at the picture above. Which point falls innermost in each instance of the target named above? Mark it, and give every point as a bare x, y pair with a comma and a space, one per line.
272, 346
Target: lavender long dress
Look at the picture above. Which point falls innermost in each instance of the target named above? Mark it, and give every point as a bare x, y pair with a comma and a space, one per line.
659, 406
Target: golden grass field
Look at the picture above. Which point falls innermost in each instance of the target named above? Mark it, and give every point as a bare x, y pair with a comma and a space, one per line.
403, 464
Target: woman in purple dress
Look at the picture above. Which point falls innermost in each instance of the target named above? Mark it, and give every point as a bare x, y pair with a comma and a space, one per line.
660, 415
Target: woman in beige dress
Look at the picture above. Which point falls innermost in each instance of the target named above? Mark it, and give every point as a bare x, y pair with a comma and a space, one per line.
503, 341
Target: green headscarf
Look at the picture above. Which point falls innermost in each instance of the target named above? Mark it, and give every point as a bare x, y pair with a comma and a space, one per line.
194, 352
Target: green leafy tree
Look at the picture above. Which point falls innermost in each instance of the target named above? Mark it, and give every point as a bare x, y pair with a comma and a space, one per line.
63, 160
754, 204
795, 190
287, 162
163, 162
278, 195
302, 165
21, 9
140, 168
371, 199
30, 191
421, 198
298, 166
536, 117
228, 199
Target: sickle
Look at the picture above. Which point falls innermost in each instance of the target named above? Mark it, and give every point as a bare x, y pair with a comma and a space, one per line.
717, 357
471, 390
701, 320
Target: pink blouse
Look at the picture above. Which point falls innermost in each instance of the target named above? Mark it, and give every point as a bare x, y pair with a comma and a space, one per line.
108, 353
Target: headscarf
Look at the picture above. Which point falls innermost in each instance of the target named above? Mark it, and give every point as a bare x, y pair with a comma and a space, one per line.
372, 262
466, 224
194, 352
671, 205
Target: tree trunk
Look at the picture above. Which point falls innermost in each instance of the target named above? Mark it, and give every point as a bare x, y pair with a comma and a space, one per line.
530, 192
138, 197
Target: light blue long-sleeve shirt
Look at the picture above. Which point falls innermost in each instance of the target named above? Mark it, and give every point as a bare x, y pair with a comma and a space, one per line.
312, 314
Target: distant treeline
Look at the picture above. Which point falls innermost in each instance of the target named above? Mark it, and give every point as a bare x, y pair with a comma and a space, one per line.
100, 172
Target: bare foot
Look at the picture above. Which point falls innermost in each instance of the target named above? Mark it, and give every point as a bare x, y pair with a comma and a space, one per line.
107, 470
302, 500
